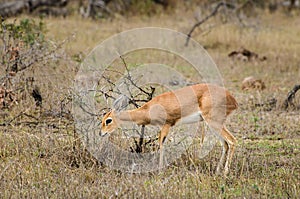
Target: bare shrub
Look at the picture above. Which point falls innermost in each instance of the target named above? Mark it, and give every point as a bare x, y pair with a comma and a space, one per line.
28, 70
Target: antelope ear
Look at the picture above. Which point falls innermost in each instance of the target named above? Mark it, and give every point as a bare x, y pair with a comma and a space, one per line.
104, 111
121, 103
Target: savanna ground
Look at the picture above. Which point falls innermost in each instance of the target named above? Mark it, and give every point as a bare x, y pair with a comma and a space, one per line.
41, 156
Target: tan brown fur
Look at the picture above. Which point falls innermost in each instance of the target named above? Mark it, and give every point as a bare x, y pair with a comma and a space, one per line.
165, 110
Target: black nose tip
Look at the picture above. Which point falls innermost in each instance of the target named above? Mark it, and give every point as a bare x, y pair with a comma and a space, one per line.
102, 134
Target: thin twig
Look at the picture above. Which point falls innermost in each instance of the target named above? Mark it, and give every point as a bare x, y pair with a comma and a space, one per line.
213, 13
133, 100
6, 123
130, 78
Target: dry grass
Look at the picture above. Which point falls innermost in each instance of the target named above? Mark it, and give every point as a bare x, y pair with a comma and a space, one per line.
44, 158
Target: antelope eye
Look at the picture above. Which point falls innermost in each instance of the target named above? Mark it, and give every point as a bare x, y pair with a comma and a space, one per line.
108, 121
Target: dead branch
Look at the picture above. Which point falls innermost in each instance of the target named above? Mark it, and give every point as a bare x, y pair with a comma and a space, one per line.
138, 144
129, 77
88, 112
133, 98
290, 97
8, 122
213, 13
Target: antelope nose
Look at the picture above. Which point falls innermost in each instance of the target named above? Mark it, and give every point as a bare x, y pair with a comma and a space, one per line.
102, 134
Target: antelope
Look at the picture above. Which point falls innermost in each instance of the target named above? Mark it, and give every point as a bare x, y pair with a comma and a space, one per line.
183, 106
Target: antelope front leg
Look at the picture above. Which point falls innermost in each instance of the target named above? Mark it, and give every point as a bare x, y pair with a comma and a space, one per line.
162, 136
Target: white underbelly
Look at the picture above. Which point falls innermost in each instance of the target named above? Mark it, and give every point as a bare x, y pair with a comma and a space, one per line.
192, 118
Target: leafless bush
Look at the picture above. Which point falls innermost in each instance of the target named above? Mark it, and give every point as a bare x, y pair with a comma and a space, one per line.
25, 54
133, 96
